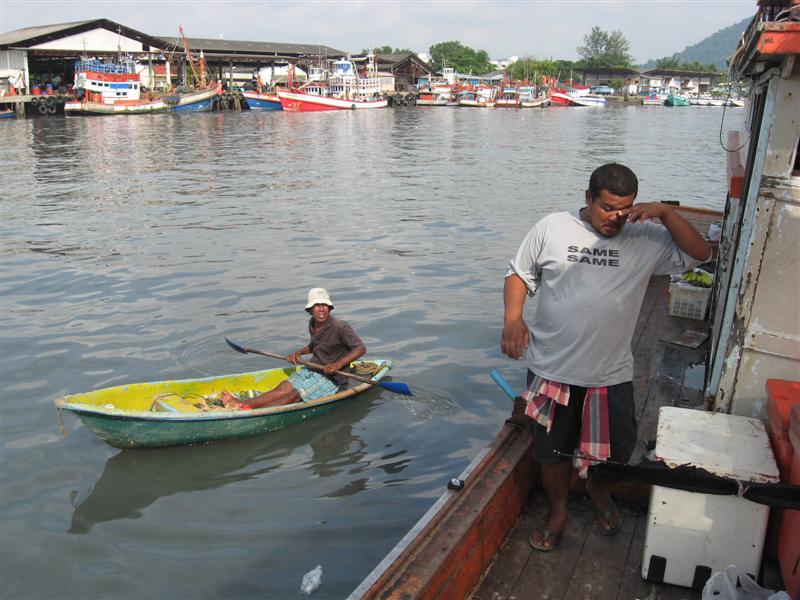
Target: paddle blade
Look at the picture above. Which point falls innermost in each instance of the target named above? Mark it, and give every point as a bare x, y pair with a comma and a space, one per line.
396, 387
236, 347
499, 380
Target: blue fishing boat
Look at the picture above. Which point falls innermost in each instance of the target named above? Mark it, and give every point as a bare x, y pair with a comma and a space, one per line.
262, 101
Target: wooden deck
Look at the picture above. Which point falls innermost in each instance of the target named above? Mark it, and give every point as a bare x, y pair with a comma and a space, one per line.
587, 564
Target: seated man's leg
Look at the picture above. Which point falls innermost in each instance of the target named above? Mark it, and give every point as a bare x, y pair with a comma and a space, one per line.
283, 394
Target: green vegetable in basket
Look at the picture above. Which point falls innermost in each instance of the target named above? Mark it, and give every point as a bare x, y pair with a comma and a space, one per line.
698, 278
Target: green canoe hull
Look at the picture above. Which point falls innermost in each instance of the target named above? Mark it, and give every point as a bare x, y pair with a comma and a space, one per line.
122, 416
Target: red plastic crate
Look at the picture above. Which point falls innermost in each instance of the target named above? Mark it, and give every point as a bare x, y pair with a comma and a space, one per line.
789, 536
782, 394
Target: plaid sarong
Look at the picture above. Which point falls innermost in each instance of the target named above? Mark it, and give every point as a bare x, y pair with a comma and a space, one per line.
312, 385
595, 438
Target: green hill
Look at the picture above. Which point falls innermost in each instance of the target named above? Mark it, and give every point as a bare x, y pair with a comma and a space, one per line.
716, 49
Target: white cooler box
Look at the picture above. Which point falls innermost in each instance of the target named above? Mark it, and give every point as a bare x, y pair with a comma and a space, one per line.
691, 535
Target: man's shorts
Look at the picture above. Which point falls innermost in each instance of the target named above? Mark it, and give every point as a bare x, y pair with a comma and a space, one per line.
564, 436
312, 385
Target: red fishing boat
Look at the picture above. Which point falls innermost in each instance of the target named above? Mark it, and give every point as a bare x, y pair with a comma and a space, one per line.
342, 88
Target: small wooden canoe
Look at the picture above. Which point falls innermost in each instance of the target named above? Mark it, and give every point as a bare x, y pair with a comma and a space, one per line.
171, 413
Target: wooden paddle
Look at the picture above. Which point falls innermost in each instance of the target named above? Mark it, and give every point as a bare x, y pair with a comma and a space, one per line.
393, 386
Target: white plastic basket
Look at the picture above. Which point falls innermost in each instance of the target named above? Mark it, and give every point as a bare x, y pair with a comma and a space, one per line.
688, 301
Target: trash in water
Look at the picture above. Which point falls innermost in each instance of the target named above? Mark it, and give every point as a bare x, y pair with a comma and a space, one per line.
311, 581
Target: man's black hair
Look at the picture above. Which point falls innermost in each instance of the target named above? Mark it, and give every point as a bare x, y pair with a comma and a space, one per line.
617, 179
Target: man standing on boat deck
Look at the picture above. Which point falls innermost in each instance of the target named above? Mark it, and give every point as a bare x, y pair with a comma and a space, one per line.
333, 343
590, 269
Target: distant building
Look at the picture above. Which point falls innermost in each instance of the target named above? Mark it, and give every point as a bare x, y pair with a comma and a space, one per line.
504, 62
630, 78
660, 81
406, 68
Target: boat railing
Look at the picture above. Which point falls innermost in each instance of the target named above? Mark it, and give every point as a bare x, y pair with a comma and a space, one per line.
98, 66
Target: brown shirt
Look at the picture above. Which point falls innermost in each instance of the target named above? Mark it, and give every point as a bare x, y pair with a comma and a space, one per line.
334, 341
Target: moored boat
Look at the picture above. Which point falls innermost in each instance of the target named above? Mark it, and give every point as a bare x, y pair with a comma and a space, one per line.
676, 100
482, 96
173, 413
343, 88
262, 100
589, 100
508, 97
7, 114
652, 100
531, 97
114, 88
439, 92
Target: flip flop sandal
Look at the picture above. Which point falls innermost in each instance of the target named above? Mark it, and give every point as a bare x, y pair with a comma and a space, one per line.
547, 535
608, 516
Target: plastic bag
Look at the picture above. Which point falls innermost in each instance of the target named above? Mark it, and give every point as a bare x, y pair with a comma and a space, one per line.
722, 586
311, 581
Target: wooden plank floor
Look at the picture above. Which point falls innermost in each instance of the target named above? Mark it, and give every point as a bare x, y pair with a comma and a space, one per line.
588, 565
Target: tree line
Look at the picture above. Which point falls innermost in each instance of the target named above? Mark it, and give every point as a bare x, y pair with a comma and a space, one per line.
600, 49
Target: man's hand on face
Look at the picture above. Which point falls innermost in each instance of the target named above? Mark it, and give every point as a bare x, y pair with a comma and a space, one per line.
646, 211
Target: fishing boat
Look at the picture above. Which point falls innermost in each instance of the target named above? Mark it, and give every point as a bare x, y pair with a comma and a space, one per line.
676, 100
114, 88
174, 413
440, 92
529, 97
343, 88
257, 100
509, 96
482, 96
589, 100
473, 541
653, 100
7, 114
565, 94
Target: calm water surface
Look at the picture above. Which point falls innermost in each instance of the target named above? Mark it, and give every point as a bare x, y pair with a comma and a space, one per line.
132, 245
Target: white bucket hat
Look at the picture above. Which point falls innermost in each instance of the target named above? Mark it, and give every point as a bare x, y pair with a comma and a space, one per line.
318, 296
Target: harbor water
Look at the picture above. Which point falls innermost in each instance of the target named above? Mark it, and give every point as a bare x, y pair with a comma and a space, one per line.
132, 245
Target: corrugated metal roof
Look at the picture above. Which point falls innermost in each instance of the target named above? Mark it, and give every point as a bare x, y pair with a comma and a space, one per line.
219, 46
20, 35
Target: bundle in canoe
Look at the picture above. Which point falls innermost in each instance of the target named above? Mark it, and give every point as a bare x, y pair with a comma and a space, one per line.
174, 413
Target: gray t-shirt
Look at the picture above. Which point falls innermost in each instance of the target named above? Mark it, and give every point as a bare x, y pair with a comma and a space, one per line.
590, 290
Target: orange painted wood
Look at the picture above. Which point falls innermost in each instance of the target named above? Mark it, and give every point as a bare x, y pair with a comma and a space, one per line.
779, 39
449, 555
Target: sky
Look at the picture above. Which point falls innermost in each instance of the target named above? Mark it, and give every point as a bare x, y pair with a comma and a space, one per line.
537, 28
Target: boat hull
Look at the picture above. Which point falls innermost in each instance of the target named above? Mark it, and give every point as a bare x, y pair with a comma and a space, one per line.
592, 101
258, 101
560, 99
538, 103
158, 414
299, 102
193, 102
673, 100
7, 114
476, 103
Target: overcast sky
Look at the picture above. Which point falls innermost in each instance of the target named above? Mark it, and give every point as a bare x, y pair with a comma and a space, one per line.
539, 28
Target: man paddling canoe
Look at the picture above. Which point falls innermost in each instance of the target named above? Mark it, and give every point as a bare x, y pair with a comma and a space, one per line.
333, 343
590, 271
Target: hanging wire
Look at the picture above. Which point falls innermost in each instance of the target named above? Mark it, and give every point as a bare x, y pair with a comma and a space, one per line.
722, 122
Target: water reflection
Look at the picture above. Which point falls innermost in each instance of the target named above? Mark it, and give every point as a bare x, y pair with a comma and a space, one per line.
134, 479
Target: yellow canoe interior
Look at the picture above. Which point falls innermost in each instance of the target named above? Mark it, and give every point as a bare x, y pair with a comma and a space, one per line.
181, 396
